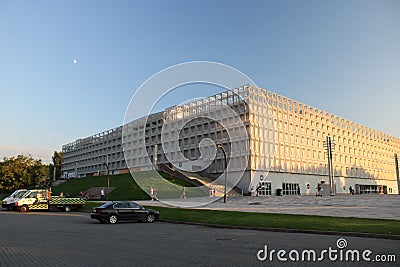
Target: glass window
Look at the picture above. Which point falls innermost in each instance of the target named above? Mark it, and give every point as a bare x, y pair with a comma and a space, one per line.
134, 206
264, 189
291, 189
121, 205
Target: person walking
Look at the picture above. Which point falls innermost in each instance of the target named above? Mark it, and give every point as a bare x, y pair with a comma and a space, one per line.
351, 190
183, 193
102, 193
318, 190
152, 193
155, 193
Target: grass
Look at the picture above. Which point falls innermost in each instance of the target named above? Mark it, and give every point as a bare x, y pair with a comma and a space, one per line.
286, 221
127, 188
272, 220
175, 180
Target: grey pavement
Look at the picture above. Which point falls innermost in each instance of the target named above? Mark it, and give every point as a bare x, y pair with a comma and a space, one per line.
73, 239
359, 206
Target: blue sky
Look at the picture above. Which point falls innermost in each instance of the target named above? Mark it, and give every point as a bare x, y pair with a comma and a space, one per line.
339, 56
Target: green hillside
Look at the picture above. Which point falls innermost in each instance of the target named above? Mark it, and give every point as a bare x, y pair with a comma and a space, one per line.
126, 187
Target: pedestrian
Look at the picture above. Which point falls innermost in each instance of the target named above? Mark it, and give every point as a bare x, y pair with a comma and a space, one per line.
152, 193
258, 190
183, 193
253, 191
155, 193
351, 190
102, 194
318, 190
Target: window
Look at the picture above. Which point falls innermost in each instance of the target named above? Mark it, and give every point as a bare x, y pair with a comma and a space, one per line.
121, 206
264, 189
134, 206
290, 189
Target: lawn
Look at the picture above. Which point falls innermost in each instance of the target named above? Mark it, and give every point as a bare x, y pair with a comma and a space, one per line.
286, 221
273, 220
127, 188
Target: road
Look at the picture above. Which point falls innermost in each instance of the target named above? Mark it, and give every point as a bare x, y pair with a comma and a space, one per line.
73, 239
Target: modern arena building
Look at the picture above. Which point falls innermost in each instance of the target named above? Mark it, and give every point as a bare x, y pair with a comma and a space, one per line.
272, 143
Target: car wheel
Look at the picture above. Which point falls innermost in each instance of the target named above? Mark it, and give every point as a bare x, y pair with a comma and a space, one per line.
113, 219
9, 208
67, 208
150, 218
24, 208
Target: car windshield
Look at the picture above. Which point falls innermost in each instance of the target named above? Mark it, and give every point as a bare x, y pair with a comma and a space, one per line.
26, 194
19, 194
14, 193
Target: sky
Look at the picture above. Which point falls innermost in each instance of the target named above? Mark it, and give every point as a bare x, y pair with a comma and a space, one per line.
339, 56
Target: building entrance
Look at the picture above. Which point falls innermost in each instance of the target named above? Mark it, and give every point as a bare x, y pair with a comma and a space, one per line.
291, 189
264, 189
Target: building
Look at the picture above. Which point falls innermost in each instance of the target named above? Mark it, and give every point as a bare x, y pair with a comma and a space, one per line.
88, 156
274, 143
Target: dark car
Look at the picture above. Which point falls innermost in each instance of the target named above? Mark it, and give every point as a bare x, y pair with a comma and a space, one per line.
114, 212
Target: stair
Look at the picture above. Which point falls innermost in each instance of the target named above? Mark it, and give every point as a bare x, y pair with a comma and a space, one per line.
198, 180
216, 190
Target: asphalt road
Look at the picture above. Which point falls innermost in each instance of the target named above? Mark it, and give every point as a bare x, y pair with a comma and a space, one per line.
73, 239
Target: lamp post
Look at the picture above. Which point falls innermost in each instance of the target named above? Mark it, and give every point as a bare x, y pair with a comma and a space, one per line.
108, 175
226, 170
330, 145
396, 162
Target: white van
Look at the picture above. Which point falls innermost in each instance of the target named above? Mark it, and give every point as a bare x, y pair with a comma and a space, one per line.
9, 201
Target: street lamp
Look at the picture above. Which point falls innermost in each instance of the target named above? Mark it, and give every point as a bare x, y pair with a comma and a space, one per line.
226, 170
108, 175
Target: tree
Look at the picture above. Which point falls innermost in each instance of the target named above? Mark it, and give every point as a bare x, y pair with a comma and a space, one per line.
57, 163
21, 172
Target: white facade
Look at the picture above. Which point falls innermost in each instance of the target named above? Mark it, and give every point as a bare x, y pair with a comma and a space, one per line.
272, 141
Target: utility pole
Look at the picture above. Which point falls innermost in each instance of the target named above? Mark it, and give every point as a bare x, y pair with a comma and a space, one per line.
329, 145
396, 161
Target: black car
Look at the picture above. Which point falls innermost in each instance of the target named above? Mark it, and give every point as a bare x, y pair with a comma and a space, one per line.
114, 212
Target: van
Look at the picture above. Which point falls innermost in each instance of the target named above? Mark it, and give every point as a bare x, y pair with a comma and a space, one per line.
9, 201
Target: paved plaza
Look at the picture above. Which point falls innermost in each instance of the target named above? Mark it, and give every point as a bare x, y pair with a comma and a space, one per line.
73, 239
360, 206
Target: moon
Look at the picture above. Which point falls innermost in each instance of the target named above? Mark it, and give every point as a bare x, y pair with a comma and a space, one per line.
75, 60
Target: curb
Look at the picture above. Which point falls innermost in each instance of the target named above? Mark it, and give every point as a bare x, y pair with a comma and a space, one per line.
283, 230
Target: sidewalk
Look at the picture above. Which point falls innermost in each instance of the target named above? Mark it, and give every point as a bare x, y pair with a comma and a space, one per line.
359, 206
